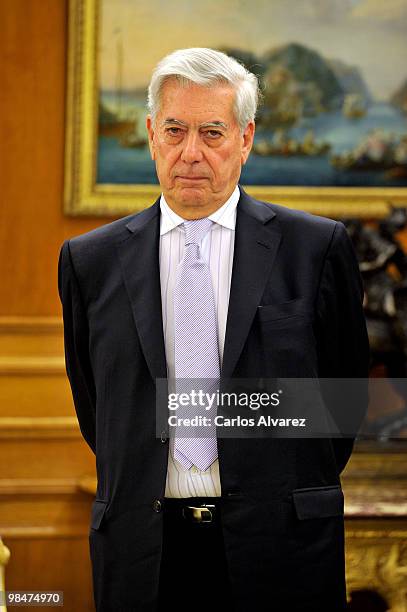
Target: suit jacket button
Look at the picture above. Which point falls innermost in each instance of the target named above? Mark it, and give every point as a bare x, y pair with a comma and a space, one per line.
163, 437
157, 505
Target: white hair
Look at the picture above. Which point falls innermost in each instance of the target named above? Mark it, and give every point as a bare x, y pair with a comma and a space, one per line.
206, 67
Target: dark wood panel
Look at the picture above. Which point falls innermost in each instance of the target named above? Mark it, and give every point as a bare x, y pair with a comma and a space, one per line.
45, 524
69, 457
58, 564
33, 37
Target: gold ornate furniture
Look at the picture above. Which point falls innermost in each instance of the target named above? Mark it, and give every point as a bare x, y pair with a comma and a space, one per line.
4, 557
375, 487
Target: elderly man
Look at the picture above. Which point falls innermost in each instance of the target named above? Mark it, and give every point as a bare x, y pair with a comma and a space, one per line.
209, 284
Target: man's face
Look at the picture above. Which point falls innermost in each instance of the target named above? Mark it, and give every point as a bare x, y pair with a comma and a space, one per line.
198, 147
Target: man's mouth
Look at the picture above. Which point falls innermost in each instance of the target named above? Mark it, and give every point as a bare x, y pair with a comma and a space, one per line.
191, 178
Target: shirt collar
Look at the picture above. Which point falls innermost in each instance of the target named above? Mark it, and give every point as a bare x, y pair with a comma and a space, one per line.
225, 215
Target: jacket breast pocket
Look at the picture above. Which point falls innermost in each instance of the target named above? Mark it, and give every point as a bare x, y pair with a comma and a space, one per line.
97, 513
318, 502
284, 314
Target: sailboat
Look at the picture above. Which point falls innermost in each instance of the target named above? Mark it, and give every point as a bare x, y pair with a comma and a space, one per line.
354, 106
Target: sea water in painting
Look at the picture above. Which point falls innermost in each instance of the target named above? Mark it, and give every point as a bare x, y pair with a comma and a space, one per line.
333, 75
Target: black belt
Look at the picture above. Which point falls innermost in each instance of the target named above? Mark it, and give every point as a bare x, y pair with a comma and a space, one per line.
200, 510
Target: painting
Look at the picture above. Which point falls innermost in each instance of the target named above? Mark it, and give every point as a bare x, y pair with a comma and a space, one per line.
331, 130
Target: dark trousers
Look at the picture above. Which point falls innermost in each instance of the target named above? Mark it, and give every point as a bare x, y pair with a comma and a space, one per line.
193, 573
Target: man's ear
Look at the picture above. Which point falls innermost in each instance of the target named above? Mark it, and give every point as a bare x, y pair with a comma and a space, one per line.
248, 137
151, 133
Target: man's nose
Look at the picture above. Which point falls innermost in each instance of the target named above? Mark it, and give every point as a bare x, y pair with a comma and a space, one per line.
191, 151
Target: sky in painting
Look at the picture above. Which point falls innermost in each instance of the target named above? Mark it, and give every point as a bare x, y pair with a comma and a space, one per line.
370, 34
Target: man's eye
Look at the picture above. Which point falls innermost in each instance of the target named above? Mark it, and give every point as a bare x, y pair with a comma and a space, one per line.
173, 131
213, 134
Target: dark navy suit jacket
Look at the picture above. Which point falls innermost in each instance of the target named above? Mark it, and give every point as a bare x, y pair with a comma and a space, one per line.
295, 310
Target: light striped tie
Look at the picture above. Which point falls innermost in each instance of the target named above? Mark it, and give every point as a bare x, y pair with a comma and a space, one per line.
196, 346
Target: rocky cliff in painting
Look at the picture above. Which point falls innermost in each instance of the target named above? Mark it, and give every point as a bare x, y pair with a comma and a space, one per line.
351, 80
299, 82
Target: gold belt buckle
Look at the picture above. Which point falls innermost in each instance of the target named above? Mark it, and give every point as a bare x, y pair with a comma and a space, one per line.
201, 514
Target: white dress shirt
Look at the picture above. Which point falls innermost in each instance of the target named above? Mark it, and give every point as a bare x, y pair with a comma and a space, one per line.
217, 249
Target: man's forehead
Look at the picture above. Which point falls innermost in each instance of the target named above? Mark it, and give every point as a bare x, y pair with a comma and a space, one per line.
198, 104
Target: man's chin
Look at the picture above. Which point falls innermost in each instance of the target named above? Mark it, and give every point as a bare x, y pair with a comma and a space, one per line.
192, 202
193, 196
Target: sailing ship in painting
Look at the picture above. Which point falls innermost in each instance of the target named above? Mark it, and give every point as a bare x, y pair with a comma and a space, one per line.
354, 106
317, 124
281, 144
117, 121
377, 151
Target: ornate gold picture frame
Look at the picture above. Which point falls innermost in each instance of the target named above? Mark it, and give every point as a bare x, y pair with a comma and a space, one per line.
84, 195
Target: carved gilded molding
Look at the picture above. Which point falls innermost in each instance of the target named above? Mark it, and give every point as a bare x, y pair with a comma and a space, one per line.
380, 565
4, 558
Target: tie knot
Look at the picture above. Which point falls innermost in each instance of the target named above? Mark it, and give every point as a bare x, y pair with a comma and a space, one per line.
196, 230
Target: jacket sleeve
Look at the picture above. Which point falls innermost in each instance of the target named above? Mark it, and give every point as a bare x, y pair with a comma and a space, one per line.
76, 342
342, 340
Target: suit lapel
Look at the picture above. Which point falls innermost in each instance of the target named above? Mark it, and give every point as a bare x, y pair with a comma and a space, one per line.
256, 243
139, 257
257, 239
